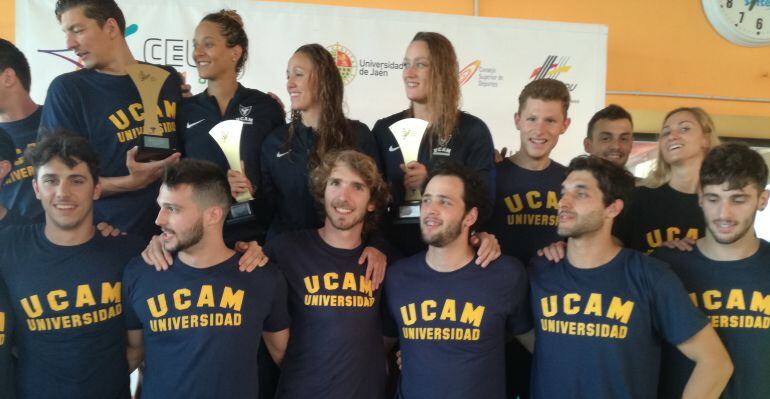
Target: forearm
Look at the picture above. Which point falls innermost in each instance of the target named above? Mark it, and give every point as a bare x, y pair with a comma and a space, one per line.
135, 356
118, 184
708, 379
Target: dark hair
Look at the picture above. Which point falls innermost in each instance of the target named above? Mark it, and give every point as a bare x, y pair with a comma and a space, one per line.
615, 182
445, 93
66, 146
231, 27
98, 10
12, 57
545, 90
7, 148
334, 130
734, 163
363, 166
207, 180
474, 189
611, 112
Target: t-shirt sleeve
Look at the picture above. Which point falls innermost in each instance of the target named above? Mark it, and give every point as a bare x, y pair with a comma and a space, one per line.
365, 143
389, 328
61, 111
130, 275
520, 318
674, 315
279, 318
481, 160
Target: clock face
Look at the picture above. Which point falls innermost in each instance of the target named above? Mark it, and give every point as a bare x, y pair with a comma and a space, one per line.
743, 22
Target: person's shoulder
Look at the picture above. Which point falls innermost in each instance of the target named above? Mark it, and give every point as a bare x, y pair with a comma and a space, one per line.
471, 121
557, 167
669, 255
136, 268
645, 269
68, 80
507, 266
276, 137
168, 68
385, 122
403, 265
539, 265
289, 240
359, 127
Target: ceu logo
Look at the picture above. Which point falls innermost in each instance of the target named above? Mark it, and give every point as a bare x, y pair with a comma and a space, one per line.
552, 68
467, 73
345, 60
130, 30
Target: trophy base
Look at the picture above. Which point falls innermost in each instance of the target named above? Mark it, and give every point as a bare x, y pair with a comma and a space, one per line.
239, 213
154, 148
408, 213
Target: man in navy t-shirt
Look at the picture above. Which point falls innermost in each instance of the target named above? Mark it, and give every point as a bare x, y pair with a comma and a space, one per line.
728, 272
336, 347
64, 282
198, 325
20, 117
450, 316
602, 312
102, 103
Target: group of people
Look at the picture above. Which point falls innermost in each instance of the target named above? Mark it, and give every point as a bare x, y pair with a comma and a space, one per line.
521, 277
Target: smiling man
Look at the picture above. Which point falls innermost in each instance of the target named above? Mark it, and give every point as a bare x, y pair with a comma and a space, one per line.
336, 348
610, 135
64, 282
450, 316
101, 103
198, 325
728, 271
602, 312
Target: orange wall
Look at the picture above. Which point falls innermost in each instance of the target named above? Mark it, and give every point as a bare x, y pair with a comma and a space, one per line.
653, 46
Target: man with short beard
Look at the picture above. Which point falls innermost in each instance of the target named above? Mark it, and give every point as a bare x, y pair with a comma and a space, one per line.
198, 325
602, 312
64, 282
336, 349
451, 316
728, 272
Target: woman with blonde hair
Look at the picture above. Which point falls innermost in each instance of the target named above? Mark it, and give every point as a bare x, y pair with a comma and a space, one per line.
665, 204
432, 86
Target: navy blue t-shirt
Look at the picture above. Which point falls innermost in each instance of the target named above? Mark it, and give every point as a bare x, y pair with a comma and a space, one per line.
526, 208
598, 332
260, 115
202, 327
106, 110
7, 324
657, 215
285, 185
470, 145
336, 347
67, 304
17, 192
735, 296
452, 326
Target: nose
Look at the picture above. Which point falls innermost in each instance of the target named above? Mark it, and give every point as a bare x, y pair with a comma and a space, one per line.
725, 210
69, 40
409, 70
290, 83
63, 189
565, 202
162, 218
197, 52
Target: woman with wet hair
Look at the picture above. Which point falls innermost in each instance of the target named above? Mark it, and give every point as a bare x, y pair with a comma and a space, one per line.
432, 87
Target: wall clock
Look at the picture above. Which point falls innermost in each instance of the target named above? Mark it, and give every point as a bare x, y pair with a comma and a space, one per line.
743, 22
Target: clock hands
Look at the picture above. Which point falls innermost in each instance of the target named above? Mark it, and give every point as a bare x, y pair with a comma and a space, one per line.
753, 3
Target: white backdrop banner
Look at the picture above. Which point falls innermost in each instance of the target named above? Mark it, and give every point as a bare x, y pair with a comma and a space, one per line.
497, 56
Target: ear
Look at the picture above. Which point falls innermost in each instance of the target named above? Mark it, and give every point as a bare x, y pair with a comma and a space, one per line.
700, 196
7, 77
565, 126
97, 191
36, 188
587, 145
471, 217
213, 215
517, 120
371, 207
5, 168
763, 197
111, 27
237, 51
613, 210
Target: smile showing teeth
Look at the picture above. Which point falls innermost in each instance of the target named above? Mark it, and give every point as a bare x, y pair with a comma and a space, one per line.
343, 210
203, 63
411, 84
538, 141
674, 147
64, 206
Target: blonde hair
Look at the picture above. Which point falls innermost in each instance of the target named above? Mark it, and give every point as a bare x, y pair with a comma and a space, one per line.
661, 172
